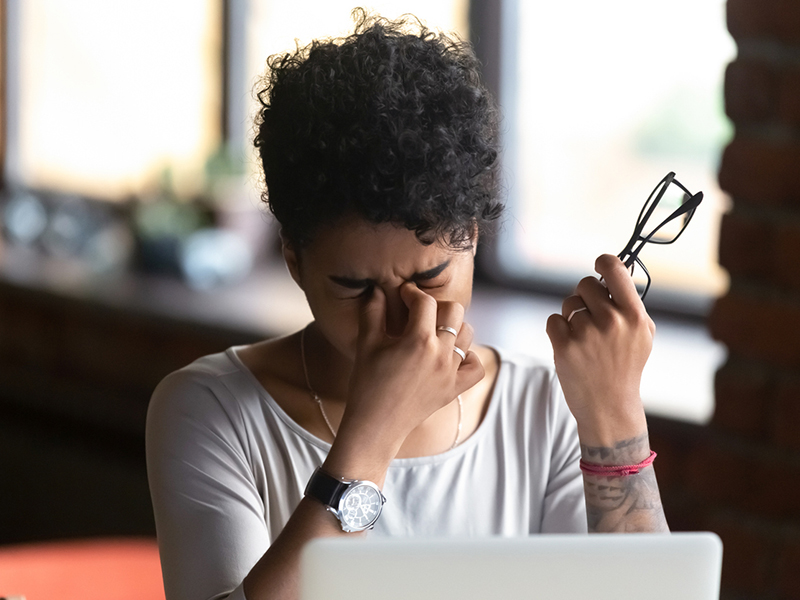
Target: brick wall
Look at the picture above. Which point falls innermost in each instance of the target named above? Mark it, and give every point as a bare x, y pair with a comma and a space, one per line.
745, 470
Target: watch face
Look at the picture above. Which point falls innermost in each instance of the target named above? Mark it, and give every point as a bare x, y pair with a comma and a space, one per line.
360, 506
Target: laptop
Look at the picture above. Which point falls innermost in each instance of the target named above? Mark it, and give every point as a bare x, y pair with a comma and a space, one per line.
553, 567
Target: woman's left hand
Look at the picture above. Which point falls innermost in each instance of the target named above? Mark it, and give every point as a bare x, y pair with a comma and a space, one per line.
601, 342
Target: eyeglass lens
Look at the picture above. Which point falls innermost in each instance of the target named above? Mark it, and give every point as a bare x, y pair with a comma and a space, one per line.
666, 199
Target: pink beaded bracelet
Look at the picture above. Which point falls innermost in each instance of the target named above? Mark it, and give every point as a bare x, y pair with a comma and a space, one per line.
616, 471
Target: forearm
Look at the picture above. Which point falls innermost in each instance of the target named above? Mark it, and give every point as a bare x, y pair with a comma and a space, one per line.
277, 574
622, 504
601, 341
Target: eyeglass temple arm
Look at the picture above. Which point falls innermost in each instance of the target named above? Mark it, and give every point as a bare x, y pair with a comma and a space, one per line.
649, 279
651, 205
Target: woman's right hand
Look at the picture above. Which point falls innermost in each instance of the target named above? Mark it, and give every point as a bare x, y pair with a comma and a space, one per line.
399, 381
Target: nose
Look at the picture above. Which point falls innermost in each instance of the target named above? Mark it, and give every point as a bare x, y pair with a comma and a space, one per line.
396, 313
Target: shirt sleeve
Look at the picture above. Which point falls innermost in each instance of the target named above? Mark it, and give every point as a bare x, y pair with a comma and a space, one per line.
564, 503
208, 511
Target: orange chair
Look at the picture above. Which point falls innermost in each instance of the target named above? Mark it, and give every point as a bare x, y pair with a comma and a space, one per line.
102, 569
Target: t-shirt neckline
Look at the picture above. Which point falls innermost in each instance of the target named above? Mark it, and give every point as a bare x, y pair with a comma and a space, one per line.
470, 442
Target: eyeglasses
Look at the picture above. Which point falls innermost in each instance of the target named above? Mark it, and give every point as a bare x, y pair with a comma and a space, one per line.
669, 195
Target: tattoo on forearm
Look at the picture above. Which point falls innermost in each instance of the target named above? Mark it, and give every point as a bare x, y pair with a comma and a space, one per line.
623, 504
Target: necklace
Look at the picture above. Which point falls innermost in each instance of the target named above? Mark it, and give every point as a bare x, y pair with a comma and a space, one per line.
314, 395
318, 400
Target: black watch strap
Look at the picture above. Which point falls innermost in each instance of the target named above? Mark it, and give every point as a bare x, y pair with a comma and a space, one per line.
326, 488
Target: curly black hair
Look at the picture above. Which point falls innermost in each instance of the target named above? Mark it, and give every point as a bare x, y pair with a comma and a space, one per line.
391, 123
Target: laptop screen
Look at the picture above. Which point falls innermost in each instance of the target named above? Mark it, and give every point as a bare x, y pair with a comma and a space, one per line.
552, 567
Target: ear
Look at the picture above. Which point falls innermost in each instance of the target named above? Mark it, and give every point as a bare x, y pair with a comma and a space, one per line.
291, 256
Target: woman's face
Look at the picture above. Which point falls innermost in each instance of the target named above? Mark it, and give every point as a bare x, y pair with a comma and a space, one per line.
344, 263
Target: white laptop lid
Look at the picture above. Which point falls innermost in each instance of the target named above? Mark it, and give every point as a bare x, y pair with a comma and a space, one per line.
553, 567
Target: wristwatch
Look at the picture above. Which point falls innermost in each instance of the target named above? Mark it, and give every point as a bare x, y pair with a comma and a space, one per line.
356, 503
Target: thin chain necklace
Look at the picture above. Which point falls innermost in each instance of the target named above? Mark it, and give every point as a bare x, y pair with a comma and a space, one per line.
318, 400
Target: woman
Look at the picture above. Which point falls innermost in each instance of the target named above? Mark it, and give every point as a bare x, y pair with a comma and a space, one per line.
379, 156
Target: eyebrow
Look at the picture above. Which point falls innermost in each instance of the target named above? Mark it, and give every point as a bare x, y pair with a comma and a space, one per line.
358, 284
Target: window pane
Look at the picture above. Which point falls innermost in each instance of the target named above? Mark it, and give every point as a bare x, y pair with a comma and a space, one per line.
275, 26
605, 98
109, 94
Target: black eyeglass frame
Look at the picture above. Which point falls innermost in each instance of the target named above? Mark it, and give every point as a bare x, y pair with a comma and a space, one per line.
630, 254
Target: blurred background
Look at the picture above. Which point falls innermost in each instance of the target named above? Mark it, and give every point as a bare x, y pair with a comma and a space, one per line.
134, 239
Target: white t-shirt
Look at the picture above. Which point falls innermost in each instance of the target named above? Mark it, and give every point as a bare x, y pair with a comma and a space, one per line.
227, 467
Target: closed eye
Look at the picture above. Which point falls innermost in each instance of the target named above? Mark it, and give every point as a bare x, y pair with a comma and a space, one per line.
351, 284
430, 285
426, 280
361, 285
366, 292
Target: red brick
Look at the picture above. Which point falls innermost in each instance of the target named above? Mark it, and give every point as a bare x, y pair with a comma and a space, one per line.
744, 398
786, 257
747, 556
764, 19
786, 424
746, 18
789, 98
746, 478
746, 246
789, 570
751, 91
761, 172
758, 328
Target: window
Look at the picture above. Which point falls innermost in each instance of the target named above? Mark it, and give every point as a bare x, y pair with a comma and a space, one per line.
106, 96
601, 100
